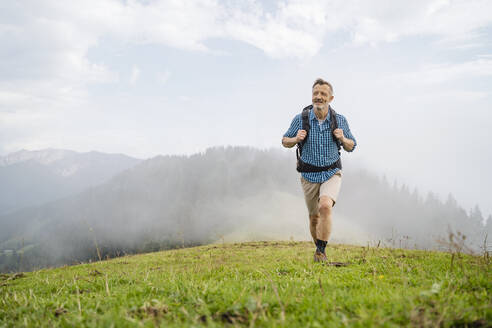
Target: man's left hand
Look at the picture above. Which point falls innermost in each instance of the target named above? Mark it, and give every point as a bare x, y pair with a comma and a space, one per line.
339, 134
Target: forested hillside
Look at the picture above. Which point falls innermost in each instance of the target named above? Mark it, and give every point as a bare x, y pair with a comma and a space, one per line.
233, 193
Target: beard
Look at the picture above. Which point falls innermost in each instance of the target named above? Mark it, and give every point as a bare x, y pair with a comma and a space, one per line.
320, 107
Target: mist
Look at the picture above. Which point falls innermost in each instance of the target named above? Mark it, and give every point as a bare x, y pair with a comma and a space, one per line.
229, 194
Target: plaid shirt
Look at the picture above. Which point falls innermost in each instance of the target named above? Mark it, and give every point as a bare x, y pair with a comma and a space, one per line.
320, 148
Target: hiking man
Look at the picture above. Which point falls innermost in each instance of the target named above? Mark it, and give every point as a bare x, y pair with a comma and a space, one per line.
320, 133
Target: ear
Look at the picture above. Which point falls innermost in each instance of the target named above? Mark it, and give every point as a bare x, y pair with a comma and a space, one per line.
330, 99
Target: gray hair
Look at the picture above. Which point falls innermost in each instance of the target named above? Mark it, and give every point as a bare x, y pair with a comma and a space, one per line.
320, 81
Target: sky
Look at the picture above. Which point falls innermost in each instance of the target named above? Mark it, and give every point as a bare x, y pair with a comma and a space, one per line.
146, 78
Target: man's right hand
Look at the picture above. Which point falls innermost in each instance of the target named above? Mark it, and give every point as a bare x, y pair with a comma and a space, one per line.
301, 135
288, 142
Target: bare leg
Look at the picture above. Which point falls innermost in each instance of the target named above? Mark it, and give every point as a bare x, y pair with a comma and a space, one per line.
324, 224
313, 224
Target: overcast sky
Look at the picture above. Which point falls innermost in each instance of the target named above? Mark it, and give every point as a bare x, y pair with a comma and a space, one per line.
144, 78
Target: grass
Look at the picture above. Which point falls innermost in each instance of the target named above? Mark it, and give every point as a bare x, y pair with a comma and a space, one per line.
272, 284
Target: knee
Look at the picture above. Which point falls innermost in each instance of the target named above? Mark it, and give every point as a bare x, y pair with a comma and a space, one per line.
325, 206
314, 219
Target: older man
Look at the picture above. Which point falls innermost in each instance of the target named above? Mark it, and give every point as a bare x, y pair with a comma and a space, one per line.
320, 133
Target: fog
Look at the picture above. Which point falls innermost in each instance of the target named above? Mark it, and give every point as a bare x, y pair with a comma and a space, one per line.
224, 195
146, 78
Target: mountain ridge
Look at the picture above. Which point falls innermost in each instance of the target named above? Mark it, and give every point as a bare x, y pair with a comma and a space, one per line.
34, 177
175, 200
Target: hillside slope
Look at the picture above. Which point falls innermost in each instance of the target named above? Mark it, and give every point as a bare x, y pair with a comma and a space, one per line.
256, 284
235, 193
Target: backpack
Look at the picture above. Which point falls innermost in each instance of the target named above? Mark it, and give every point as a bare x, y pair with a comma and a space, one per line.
305, 167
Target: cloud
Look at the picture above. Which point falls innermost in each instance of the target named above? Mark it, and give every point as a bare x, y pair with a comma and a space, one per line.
446, 72
45, 44
164, 76
294, 30
134, 76
387, 21
43, 59
52, 38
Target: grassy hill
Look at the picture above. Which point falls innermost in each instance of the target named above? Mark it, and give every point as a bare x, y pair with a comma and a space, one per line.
257, 284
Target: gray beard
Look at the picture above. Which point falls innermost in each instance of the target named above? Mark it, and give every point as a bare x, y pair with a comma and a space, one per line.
320, 108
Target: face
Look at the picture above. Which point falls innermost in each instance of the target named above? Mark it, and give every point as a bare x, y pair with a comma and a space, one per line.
321, 96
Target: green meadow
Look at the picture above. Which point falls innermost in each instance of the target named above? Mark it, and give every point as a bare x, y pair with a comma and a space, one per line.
256, 284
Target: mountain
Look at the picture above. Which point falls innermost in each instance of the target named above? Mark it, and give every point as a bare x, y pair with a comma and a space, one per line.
234, 193
46, 156
30, 178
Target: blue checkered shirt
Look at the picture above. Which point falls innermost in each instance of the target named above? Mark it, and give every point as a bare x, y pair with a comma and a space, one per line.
320, 148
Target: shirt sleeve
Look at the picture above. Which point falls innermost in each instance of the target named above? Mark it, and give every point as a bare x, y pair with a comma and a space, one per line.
346, 131
294, 127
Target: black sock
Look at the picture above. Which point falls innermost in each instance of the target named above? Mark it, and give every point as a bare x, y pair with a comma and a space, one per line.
321, 245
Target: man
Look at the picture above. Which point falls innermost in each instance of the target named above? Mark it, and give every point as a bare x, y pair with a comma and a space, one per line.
319, 161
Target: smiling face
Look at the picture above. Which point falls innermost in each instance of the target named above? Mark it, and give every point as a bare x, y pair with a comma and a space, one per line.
322, 96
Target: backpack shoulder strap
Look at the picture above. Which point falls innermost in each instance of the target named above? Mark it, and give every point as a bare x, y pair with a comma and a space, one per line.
305, 118
305, 122
334, 125
304, 126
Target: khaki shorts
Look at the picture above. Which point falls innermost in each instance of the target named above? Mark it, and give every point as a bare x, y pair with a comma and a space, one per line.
313, 191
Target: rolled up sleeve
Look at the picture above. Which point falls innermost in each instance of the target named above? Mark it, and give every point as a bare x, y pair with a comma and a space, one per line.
294, 127
346, 132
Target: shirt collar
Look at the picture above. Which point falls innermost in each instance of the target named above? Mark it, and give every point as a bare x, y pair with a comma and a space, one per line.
313, 117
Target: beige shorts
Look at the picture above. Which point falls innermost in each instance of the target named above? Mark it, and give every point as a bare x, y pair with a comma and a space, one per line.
313, 191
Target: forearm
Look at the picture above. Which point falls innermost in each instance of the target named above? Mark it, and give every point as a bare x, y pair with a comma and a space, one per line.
348, 144
289, 142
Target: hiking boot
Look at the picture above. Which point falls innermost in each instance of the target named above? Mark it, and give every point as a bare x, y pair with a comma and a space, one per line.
319, 257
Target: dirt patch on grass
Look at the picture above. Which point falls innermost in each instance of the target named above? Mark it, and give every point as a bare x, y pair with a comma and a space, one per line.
337, 264
283, 272
15, 276
81, 291
471, 324
232, 317
95, 273
155, 310
60, 311
7, 277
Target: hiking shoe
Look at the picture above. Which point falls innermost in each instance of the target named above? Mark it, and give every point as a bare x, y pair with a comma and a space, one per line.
319, 257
